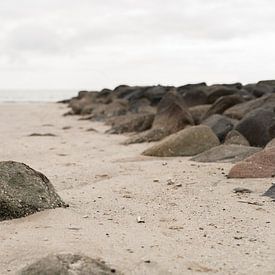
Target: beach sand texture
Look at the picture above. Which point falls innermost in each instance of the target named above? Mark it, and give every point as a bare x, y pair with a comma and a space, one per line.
190, 220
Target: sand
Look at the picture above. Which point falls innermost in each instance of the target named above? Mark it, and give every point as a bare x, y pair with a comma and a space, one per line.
193, 221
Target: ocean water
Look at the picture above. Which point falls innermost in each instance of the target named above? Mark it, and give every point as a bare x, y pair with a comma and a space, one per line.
38, 95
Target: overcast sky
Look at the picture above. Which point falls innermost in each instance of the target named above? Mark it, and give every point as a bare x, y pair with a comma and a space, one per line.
91, 44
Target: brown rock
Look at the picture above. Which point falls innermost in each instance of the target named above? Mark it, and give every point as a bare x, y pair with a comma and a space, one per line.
259, 165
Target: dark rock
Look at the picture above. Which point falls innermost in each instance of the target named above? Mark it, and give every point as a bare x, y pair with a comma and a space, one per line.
240, 110
172, 113
116, 108
220, 125
198, 112
143, 106
42, 135
188, 142
156, 93
242, 190
148, 136
270, 192
193, 94
67, 264
223, 103
255, 126
132, 123
226, 153
259, 165
259, 90
24, 191
218, 91
235, 137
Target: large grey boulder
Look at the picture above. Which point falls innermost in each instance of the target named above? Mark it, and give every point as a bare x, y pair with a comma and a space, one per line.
68, 264
24, 191
226, 153
188, 142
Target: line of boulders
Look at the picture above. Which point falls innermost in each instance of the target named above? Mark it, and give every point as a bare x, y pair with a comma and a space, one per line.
217, 123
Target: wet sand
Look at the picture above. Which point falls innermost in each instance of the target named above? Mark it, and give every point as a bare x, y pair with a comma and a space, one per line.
193, 222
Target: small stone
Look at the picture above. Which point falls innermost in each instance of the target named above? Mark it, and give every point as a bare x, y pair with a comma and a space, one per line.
170, 182
241, 190
140, 220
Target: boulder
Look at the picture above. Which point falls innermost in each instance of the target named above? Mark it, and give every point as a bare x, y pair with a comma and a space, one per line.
131, 123
270, 192
226, 153
259, 165
235, 137
220, 125
147, 136
255, 126
223, 103
117, 108
259, 89
24, 191
68, 264
193, 94
215, 92
198, 112
240, 110
143, 106
172, 113
270, 143
188, 142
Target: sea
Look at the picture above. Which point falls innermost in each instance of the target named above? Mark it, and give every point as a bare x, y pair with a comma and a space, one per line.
38, 95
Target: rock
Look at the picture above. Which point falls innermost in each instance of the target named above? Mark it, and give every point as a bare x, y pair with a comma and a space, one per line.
241, 190
67, 264
116, 108
218, 91
84, 98
193, 94
198, 112
226, 153
156, 93
172, 114
270, 192
235, 137
259, 89
219, 124
259, 165
147, 136
255, 126
42, 135
240, 110
223, 103
24, 191
270, 143
132, 123
142, 106
188, 142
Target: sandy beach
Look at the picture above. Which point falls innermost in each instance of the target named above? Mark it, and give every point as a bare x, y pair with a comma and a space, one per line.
190, 220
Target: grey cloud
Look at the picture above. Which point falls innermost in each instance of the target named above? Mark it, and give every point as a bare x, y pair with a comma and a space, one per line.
103, 36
